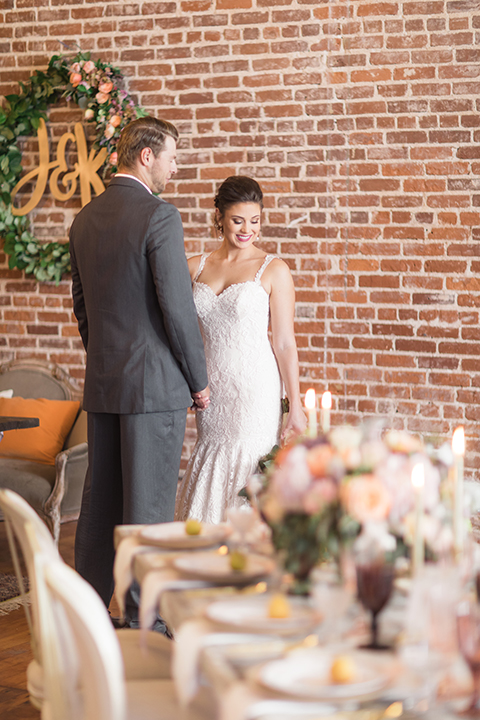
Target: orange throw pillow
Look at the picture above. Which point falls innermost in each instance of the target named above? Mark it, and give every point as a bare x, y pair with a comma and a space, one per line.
43, 443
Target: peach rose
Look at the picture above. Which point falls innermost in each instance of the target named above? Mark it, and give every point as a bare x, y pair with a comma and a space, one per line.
89, 66
109, 131
75, 79
101, 97
365, 498
115, 120
89, 114
113, 159
75, 68
318, 460
105, 87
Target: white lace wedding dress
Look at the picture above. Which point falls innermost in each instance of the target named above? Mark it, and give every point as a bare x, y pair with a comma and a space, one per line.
243, 420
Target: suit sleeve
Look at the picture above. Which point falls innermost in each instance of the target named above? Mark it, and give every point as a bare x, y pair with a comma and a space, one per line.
166, 256
78, 299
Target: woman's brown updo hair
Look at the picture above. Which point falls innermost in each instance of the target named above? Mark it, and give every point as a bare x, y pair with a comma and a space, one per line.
237, 189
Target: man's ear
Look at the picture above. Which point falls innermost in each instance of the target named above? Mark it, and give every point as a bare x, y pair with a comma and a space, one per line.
145, 156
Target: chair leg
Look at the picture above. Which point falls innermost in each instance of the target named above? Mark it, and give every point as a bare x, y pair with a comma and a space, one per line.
53, 523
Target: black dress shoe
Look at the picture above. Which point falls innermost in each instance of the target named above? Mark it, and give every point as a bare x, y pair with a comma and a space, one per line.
118, 623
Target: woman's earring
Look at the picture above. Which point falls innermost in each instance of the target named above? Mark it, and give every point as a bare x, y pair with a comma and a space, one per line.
220, 237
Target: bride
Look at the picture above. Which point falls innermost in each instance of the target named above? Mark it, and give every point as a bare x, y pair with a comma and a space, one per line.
238, 291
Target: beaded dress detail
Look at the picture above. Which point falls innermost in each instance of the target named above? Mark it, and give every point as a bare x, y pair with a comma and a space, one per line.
243, 420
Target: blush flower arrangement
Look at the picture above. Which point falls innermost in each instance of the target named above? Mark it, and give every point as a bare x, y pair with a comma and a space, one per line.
318, 494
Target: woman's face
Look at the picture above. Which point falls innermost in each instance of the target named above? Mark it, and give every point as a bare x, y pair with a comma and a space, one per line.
241, 224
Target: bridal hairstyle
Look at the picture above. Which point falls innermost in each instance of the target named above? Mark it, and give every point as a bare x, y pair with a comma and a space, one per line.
237, 189
141, 133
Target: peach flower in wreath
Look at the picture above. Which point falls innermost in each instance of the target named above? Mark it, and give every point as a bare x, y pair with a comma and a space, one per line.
75, 79
113, 159
105, 87
109, 131
89, 67
115, 120
75, 68
365, 498
101, 97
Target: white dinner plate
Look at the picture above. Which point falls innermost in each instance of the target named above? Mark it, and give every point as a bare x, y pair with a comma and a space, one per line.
213, 567
306, 674
251, 614
173, 536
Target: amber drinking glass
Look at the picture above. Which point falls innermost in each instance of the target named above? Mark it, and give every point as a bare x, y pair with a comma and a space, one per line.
374, 587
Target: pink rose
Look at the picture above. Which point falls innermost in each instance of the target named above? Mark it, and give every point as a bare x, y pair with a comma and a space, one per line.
320, 493
109, 131
76, 68
115, 120
89, 66
101, 97
105, 87
365, 498
113, 159
75, 79
89, 114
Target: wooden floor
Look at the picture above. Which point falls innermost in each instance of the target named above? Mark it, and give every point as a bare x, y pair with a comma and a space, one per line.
15, 651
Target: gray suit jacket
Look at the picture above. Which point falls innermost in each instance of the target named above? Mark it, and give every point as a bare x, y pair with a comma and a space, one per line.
133, 301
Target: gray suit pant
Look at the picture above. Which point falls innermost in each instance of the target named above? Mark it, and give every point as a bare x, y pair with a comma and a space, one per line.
133, 466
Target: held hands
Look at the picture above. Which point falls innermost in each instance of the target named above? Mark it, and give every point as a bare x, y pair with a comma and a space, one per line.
201, 400
295, 425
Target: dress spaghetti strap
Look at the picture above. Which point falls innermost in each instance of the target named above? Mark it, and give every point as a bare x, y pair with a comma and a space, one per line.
266, 262
203, 260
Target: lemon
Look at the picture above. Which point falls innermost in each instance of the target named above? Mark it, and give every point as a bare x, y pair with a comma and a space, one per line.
238, 560
342, 669
193, 527
279, 607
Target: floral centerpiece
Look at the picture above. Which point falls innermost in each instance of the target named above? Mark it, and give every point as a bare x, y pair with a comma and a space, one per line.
318, 494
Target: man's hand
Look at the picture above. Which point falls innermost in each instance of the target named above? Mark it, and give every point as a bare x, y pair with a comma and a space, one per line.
201, 400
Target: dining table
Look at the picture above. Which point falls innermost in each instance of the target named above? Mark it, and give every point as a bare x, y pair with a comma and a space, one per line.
269, 668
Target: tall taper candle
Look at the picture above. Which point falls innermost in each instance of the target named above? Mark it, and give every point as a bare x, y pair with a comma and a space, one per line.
458, 447
311, 406
418, 482
326, 407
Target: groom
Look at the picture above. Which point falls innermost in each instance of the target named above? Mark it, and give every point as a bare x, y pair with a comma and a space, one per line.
145, 361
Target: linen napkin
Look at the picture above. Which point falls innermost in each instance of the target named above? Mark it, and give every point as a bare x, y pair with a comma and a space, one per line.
196, 636
154, 584
127, 550
242, 701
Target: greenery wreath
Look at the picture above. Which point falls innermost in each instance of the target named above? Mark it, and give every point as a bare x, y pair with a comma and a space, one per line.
95, 88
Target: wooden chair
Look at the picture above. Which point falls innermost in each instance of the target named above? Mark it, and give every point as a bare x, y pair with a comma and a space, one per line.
84, 670
139, 663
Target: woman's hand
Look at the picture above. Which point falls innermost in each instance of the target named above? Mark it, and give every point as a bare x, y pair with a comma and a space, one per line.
296, 424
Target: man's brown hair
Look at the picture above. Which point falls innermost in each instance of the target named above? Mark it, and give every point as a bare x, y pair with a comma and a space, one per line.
141, 133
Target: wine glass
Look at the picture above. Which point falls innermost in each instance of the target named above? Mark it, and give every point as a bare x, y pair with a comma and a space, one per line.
374, 587
468, 628
243, 519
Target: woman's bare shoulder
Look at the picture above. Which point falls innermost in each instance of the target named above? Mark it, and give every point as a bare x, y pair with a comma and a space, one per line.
276, 275
194, 264
277, 268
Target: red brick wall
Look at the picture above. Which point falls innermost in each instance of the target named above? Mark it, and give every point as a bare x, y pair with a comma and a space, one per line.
361, 121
